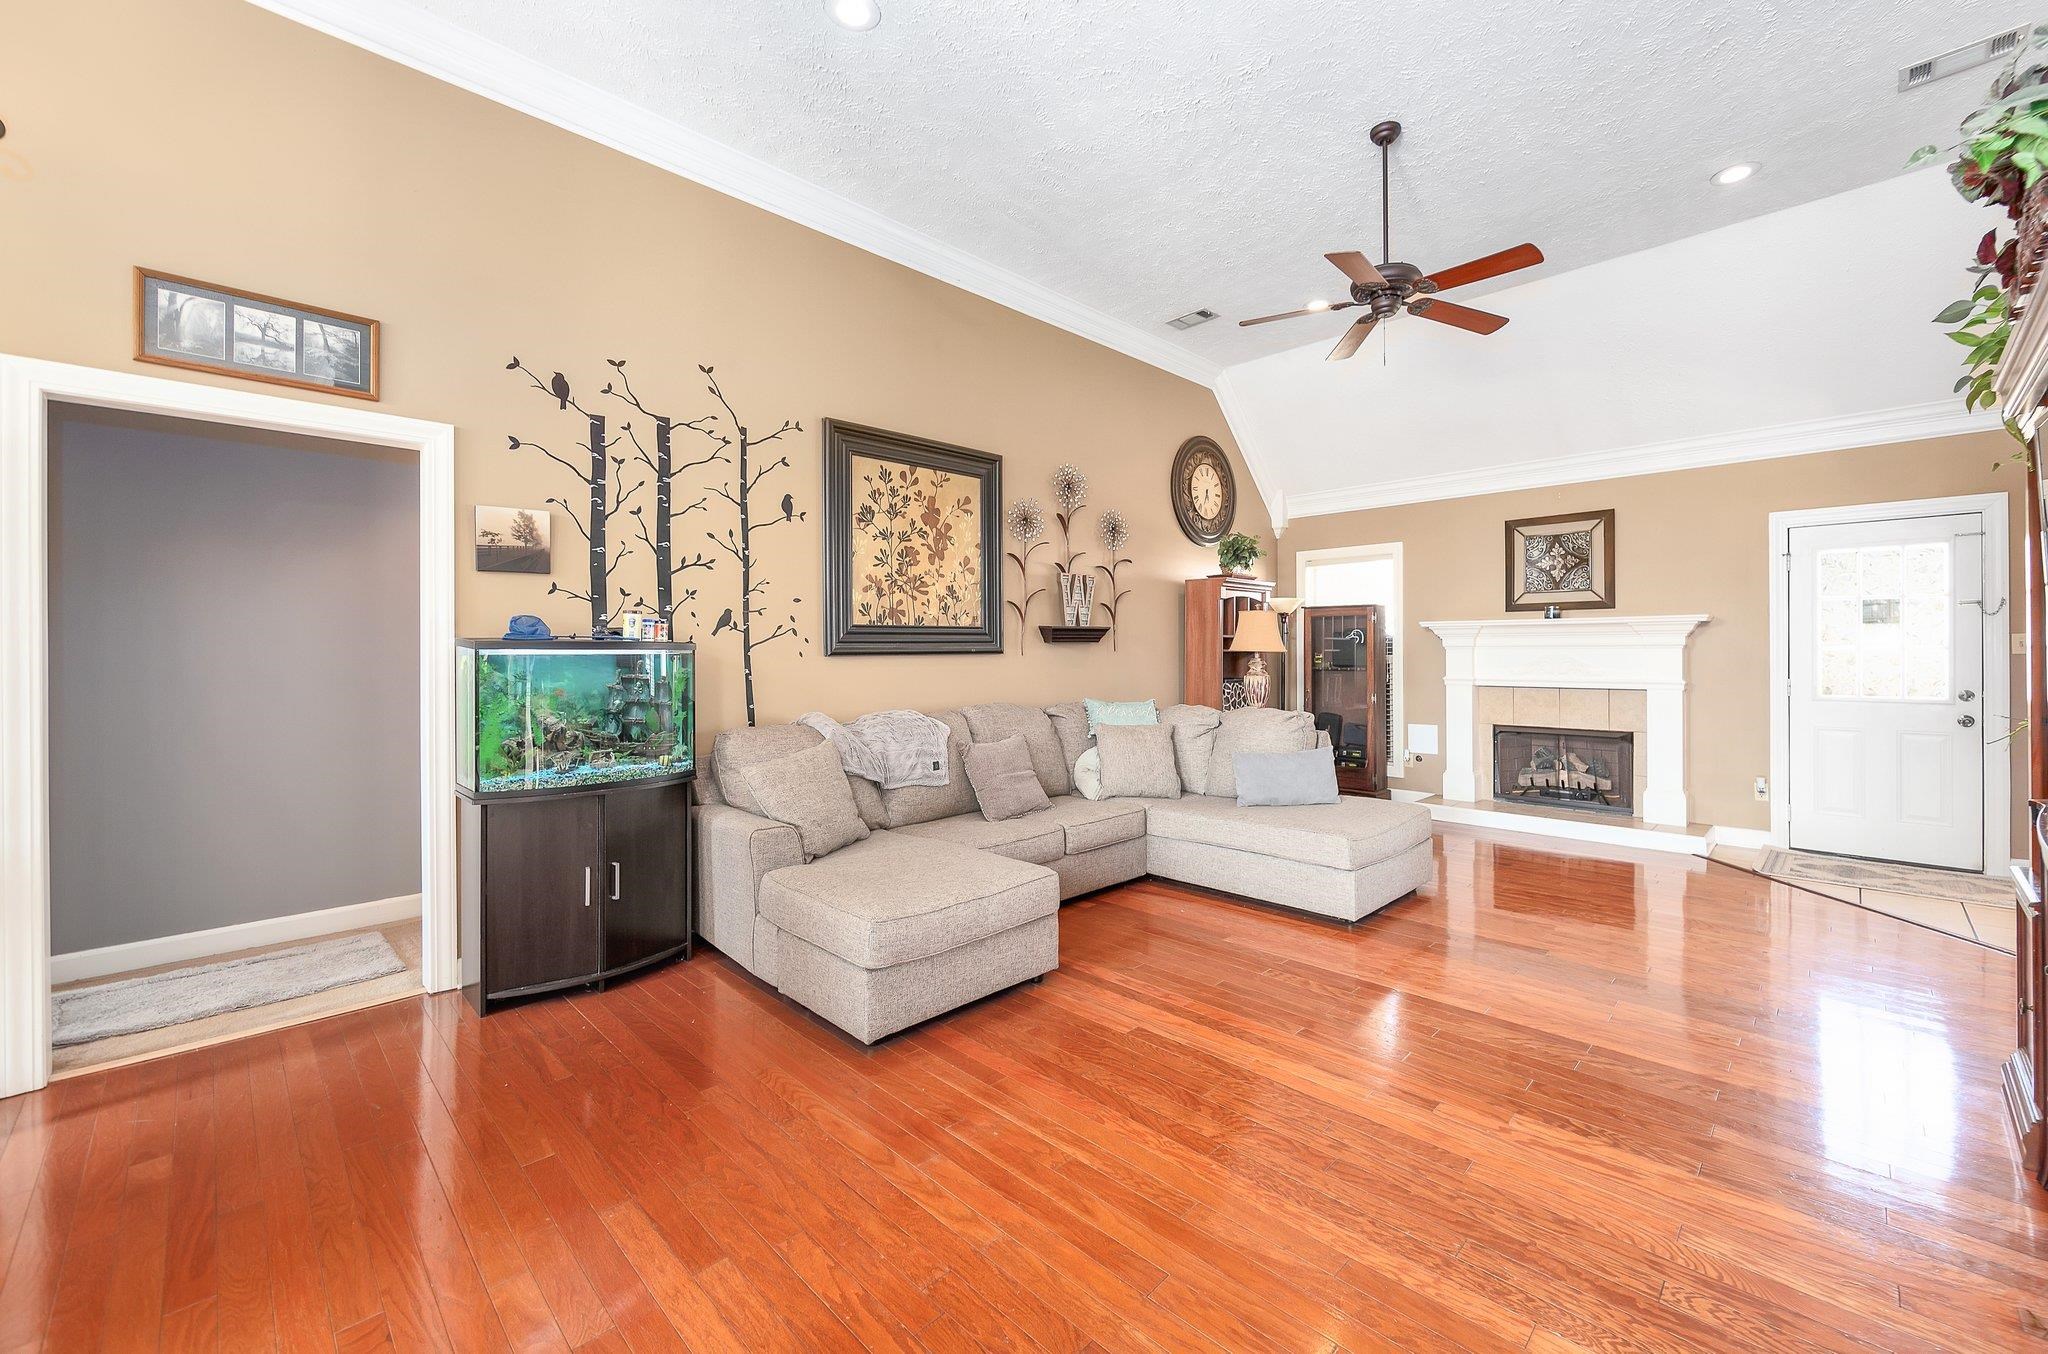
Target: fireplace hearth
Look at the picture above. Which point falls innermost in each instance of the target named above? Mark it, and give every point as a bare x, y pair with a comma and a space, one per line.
1568, 768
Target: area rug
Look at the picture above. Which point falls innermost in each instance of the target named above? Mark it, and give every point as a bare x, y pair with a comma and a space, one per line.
1805, 867
132, 1005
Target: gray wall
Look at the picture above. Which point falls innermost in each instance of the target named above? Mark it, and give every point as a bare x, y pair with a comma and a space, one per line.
234, 683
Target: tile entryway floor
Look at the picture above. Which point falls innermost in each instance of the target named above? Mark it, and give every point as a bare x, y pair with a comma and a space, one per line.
1987, 922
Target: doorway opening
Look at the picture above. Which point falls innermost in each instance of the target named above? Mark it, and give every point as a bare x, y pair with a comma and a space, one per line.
32, 392
234, 656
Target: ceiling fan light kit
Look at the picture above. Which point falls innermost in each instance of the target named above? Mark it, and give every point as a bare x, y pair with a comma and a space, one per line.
1389, 288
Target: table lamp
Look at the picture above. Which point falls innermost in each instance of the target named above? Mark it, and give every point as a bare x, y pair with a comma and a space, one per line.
1258, 634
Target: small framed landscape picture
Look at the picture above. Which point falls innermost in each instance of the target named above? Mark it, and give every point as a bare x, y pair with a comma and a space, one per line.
182, 322
512, 540
1566, 561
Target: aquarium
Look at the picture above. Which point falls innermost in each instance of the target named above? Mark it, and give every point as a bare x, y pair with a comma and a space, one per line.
571, 714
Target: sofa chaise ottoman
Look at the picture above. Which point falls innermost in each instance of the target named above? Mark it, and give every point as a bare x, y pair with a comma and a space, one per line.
939, 907
894, 930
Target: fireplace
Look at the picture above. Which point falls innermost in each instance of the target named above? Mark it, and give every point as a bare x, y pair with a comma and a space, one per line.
1568, 768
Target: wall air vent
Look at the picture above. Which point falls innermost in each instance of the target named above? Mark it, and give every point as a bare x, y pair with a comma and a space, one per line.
1192, 318
1994, 48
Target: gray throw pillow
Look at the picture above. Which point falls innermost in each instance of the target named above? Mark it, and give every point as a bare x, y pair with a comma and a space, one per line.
1137, 761
808, 791
1004, 784
1305, 777
1261, 730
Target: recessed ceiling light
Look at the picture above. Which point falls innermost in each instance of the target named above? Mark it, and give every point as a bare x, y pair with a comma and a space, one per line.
859, 15
1734, 174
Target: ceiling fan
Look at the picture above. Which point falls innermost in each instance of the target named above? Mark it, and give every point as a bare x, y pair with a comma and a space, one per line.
1389, 288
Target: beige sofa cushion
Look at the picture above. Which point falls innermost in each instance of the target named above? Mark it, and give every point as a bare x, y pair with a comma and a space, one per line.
1003, 719
922, 803
1349, 835
1137, 759
808, 790
1194, 734
1004, 784
734, 750
895, 898
1037, 837
1094, 823
1263, 730
1070, 726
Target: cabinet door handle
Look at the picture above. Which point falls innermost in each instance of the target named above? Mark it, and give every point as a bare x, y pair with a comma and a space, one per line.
615, 881
586, 886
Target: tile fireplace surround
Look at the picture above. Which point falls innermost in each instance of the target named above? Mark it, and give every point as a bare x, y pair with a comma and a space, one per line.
1565, 662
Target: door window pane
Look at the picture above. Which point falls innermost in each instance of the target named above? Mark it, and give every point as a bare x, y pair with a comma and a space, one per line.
1882, 619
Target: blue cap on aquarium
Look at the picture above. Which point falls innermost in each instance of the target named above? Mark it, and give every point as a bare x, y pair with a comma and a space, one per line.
527, 627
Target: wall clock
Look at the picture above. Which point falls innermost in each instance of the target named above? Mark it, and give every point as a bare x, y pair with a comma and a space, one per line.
1204, 491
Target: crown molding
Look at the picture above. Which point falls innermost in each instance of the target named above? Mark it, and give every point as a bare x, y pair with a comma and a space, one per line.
435, 47
1260, 465
1908, 423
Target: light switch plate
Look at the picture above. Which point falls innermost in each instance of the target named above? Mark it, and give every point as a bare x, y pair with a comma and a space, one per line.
1422, 739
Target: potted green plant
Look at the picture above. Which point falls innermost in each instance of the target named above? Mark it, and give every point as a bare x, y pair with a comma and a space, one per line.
2000, 157
1237, 552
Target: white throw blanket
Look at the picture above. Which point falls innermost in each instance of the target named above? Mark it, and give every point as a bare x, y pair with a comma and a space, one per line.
892, 748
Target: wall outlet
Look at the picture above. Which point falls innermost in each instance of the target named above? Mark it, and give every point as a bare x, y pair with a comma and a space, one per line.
1763, 788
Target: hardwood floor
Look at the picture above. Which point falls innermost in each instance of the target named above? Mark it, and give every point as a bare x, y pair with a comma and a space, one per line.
1555, 1101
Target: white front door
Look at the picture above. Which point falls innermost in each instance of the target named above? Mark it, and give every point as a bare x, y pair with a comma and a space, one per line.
1886, 666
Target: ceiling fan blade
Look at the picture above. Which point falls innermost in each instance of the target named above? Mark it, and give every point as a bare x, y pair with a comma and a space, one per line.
1358, 268
1353, 336
1462, 317
1291, 314
1493, 265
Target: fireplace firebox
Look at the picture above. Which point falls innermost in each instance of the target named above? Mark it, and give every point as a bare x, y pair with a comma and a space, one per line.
1571, 768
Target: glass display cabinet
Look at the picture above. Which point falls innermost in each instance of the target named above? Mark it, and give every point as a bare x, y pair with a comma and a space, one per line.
1345, 688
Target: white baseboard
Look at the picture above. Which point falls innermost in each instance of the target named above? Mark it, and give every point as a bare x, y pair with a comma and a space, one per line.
139, 954
1401, 796
1755, 838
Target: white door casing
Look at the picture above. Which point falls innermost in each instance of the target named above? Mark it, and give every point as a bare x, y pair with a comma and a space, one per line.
1889, 681
28, 386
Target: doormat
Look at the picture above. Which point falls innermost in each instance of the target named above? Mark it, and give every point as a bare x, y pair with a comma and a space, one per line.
1807, 867
133, 1005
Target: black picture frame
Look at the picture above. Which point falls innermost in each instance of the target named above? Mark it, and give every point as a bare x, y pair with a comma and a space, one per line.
844, 633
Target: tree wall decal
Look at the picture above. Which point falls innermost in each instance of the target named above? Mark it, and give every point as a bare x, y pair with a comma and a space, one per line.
740, 543
606, 496
662, 463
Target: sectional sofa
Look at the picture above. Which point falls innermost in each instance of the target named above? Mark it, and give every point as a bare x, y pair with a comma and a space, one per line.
939, 907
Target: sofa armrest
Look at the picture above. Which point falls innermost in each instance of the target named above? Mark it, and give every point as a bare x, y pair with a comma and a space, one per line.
734, 850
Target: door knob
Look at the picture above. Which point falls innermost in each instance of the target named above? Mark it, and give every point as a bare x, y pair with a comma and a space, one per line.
1966, 695
1967, 721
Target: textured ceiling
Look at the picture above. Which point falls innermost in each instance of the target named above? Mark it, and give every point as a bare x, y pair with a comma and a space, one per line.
1146, 157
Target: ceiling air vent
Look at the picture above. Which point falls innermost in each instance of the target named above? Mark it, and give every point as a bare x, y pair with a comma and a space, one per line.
1994, 48
1192, 318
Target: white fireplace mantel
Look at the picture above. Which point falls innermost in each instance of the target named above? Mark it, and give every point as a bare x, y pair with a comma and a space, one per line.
1620, 653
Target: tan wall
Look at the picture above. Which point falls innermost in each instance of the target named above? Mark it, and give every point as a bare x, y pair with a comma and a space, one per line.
211, 139
1687, 541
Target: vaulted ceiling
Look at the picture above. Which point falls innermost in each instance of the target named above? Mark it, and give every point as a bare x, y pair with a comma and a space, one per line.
1109, 164
1148, 157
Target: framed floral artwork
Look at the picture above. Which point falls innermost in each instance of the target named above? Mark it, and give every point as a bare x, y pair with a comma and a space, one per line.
913, 562
1566, 561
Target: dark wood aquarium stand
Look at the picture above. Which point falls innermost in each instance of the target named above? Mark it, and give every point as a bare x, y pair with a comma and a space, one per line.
573, 889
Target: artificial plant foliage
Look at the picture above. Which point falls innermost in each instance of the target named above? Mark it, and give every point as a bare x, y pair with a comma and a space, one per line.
2000, 154
1238, 550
